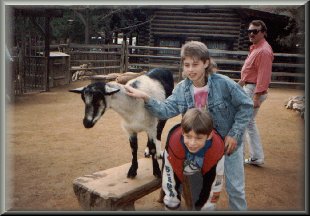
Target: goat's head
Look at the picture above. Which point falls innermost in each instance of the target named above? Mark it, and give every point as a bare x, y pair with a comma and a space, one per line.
94, 97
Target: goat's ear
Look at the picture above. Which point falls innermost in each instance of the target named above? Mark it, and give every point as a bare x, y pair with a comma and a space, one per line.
77, 90
111, 90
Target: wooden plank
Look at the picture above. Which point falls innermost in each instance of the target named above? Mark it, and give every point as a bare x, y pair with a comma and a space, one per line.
155, 65
222, 23
95, 52
197, 30
274, 74
206, 26
281, 83
94, 68
228, 61
229, 71
37, 12
95, 61
205, 18
288, 65
111, 189
216, 36
210, 14
287, 74
294, 55
96, 46
154, 57
153, 48
288, 83
217, 51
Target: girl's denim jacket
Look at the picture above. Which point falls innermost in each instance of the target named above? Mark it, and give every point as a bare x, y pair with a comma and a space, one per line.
228, 104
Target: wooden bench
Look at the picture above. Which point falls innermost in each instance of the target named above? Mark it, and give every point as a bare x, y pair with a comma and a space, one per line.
111, 189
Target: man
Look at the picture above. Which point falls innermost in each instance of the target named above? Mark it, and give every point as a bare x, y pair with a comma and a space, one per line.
255, 79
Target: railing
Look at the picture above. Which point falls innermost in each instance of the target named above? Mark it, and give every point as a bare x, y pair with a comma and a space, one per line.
288, 69
100, 58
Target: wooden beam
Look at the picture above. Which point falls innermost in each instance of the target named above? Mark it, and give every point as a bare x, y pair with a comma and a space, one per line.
47, 51
29, 12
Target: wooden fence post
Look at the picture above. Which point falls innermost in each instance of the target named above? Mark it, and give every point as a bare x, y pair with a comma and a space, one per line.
187, 193
180, 71
126, 57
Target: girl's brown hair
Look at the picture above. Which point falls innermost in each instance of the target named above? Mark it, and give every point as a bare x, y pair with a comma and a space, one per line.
198, 121
198, 51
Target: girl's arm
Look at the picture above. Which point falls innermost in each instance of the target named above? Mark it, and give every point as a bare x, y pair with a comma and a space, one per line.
244, 106
172, 106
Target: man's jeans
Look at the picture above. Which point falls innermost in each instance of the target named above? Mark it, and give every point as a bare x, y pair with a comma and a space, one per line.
251, 133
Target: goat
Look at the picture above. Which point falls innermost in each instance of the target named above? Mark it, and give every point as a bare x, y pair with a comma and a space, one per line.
157, 83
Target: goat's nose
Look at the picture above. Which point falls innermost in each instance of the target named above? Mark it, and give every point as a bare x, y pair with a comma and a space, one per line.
87, 123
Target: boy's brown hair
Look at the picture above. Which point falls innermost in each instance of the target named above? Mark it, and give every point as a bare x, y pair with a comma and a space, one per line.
198, 121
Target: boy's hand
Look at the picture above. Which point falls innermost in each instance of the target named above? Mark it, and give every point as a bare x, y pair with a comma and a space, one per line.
230, 145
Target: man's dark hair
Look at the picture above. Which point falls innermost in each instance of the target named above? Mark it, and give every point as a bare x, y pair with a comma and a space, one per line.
260, 23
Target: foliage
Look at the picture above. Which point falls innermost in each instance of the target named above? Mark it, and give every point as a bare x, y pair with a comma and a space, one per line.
102, 22
295, 40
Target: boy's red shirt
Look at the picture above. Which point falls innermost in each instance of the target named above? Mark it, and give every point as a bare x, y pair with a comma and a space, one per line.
176, 152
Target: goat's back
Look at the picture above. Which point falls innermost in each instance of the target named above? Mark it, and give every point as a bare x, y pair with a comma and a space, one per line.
165, 77
157, 83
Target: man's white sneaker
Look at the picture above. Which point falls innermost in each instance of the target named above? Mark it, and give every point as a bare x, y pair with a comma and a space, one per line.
254, 161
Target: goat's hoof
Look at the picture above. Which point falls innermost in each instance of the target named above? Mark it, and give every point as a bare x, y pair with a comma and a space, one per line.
160, 155
131, 173
157, 174
147, 152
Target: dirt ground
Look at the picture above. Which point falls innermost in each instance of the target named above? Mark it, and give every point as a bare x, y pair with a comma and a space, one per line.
48, 147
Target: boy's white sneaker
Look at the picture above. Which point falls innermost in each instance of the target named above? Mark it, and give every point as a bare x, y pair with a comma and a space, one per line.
252, 161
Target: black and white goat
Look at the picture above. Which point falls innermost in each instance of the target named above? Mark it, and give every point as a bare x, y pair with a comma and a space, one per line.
157, 83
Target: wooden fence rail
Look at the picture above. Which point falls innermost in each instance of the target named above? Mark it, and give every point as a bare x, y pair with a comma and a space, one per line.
287, 70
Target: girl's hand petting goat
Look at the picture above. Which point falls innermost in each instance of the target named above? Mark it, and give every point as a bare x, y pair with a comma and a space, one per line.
136, 93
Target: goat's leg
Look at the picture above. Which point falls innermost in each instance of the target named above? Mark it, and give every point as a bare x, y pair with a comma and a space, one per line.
160, 127
152, 148
147, 152
132, 172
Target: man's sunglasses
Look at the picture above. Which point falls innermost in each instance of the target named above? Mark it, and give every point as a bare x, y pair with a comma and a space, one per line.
254, 31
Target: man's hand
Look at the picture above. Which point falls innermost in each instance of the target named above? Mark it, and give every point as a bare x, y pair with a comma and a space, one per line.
241, 83
230, 145
256, 101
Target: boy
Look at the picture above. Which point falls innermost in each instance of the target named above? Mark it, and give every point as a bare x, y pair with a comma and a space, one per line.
192, 148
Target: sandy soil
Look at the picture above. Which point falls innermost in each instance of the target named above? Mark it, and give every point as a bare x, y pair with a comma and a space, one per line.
48, 147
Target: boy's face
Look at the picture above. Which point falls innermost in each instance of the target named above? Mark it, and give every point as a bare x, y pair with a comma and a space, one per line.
194, 142
194, 68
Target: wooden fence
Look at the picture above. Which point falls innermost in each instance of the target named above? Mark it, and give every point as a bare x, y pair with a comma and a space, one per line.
287, 70
102, 59
28, 74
